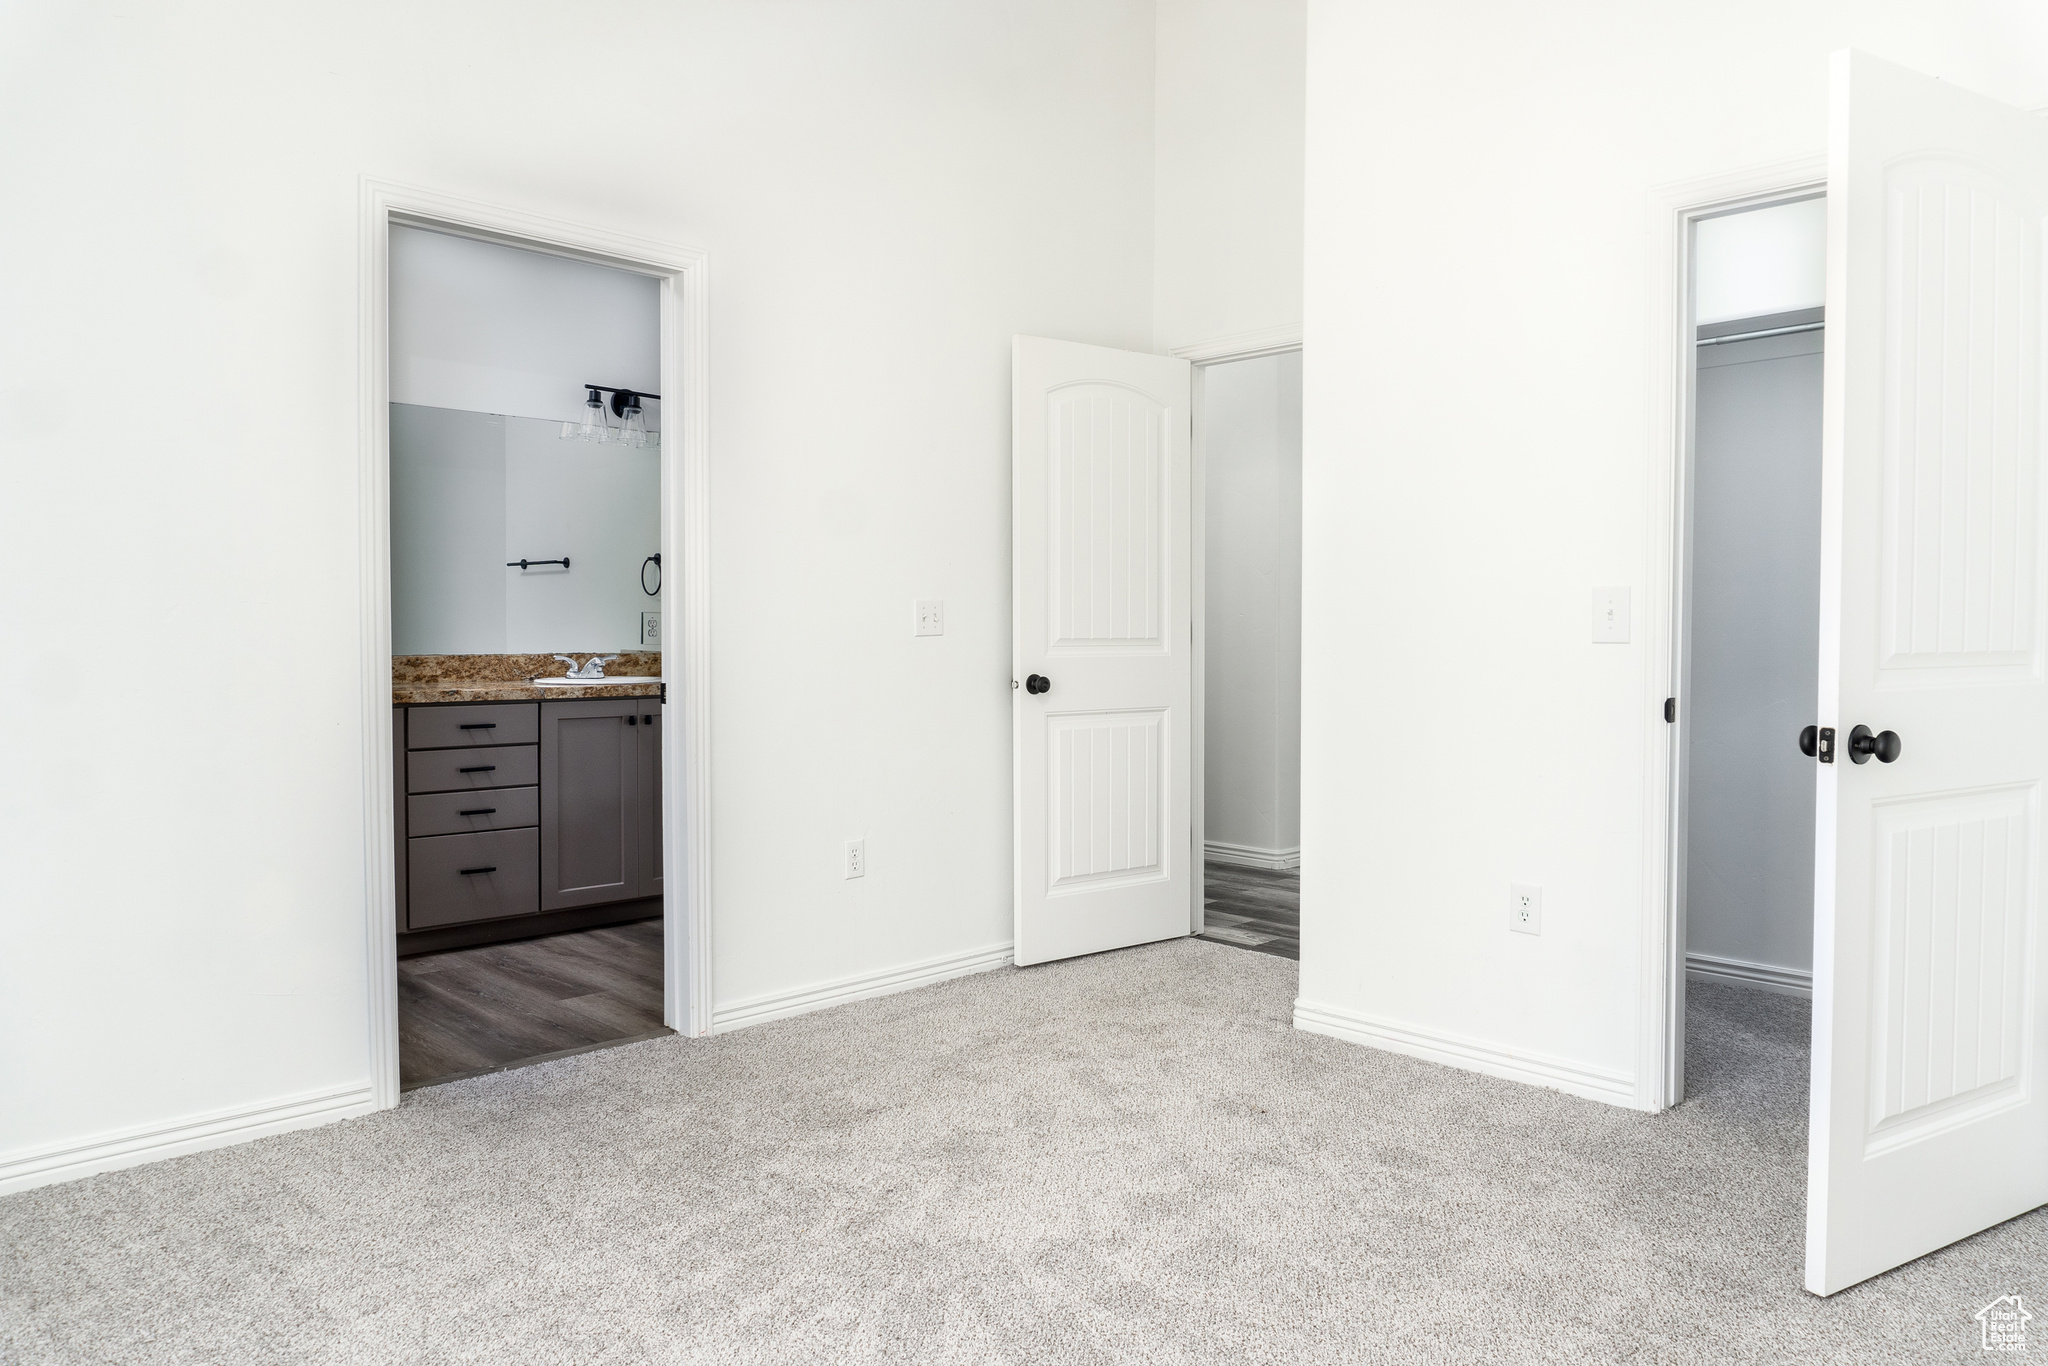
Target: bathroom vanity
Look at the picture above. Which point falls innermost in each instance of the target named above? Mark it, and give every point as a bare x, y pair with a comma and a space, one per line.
523, 817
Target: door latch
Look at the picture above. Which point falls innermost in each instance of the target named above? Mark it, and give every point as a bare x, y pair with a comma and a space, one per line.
1818, 742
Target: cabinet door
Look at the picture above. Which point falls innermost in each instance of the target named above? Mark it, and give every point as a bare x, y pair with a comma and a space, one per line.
589, 793
398, 862
650, 796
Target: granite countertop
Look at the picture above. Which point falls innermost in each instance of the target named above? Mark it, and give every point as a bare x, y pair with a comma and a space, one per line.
417, 679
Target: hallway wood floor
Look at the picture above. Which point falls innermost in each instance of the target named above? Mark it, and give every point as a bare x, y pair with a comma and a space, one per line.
472, 1011
1252, 908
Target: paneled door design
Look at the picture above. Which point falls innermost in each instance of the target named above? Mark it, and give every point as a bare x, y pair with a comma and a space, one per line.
1929, 1113
1102, 576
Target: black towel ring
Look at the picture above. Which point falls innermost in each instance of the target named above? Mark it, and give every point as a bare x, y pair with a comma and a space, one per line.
655, 591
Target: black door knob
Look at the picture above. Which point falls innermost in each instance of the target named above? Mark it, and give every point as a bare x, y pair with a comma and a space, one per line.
1862, 744
1037, 683
1807, 740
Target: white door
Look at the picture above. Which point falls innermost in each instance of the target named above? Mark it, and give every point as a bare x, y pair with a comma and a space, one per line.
1101, 577
1929, 1115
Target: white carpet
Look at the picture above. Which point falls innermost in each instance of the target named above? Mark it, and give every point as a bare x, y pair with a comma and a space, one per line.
1129, 1158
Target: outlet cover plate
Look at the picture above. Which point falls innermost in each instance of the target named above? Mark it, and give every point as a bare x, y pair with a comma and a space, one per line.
1525, 908
650, 630
1611, 616
856, 858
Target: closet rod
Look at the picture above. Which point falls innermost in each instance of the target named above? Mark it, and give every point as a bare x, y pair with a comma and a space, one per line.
1767, 332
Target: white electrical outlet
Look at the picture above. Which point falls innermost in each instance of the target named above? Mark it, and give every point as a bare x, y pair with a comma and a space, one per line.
1525, 908
650, 629
856, 858
931, 617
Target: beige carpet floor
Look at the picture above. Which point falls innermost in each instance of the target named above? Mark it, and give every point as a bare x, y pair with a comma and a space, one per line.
1127, 1158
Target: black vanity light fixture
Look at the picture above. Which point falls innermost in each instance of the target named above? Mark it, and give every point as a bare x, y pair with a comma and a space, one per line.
596, 426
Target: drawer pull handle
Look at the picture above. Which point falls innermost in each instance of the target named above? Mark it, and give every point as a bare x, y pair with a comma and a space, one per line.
479, 725
468, 871
480, 811
480, 768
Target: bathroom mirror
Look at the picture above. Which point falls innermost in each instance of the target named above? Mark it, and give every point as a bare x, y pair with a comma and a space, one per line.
474, 493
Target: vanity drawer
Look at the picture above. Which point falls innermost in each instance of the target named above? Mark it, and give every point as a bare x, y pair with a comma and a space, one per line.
472, 770
455, 813
454, 879
479, 723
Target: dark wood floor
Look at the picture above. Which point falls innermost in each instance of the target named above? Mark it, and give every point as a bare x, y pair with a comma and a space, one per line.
1253, 908
471, 1011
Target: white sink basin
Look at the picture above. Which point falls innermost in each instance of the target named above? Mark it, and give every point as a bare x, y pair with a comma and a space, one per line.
592, 682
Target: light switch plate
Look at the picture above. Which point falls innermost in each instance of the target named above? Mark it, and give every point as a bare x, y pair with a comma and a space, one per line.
650, 629
1610, 616
931, 616
1525, 908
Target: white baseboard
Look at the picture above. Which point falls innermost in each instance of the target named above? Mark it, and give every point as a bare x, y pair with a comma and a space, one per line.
782, 1004
1251, 855
1789, 981
1531, 1069
131, 1147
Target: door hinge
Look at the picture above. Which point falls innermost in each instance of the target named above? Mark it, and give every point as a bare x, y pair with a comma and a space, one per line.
1670, 709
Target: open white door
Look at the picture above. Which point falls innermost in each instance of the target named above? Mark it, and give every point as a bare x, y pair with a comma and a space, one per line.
1929, 1115
1101, 577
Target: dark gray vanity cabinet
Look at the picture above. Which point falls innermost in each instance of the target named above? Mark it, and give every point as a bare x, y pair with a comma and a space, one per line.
511, 811
590, 802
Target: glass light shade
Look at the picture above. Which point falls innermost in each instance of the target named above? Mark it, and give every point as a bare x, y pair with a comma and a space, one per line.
634, 433
595, 426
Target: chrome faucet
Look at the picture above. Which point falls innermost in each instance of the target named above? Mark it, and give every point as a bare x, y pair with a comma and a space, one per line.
593, 669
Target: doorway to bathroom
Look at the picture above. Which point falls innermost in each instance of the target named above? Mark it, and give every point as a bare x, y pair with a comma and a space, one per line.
1248, 662
533, 467
526, 609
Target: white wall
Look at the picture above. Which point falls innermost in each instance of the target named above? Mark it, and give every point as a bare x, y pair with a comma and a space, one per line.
1764, 261
887, 192
494, 329
1251, 465
491, 348
1475, 455
1228, 174
1755, 651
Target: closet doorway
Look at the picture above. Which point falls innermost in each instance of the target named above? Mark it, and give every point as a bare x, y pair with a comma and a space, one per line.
1751, 647
1248, 658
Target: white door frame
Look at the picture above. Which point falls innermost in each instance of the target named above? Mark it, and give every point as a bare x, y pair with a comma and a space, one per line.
1674, 209
685, 545
1220, 351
